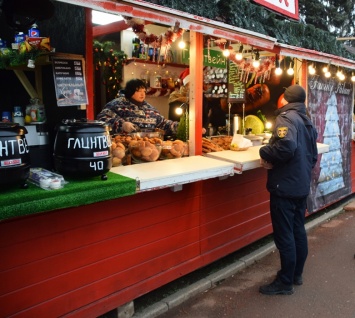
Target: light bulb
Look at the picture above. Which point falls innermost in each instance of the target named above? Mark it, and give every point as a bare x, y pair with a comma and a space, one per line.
353, 77
226, 52
311, 70
278, 71
325, 69
182, 44
178, 111
290, 71
239, 56
268, 125
327, 74
256, 63
342, 76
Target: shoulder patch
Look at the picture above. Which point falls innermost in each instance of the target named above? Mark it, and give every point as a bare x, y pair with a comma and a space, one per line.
282, 132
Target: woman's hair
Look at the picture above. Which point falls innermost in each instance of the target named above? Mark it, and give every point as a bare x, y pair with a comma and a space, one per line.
132, 86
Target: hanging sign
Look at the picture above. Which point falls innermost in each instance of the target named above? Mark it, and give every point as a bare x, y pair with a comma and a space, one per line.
288, 8
213, 58
69, 81
236, 88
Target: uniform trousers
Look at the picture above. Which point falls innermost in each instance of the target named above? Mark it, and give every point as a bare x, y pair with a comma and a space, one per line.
290, 237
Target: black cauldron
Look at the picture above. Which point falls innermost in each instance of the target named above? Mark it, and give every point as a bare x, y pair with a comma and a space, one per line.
14, 155
82, 148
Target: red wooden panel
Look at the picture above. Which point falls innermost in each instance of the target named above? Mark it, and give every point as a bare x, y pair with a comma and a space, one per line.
90, 234
33, 300
212, 255
123, 296
237, 218
224, 209
234, 233
42, 224
27, 274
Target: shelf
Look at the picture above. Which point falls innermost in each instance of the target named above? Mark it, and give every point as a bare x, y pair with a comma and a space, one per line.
41, 60
138, 60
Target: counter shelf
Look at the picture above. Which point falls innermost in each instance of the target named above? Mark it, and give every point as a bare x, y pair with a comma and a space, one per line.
249, 159
175, 173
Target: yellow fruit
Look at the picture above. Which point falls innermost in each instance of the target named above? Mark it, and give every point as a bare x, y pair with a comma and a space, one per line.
234, 147
28, 119
255, 124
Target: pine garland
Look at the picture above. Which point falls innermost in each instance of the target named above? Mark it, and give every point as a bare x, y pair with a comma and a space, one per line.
110, 62
10, 58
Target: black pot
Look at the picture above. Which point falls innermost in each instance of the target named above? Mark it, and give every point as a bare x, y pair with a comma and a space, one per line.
14, 155
82, 148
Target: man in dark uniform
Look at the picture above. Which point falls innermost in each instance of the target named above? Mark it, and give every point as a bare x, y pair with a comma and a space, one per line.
289, 157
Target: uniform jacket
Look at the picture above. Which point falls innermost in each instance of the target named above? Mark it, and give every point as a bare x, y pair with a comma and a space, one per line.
143, 115
292, 151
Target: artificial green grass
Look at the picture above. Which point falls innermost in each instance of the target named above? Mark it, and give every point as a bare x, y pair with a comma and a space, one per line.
16, 202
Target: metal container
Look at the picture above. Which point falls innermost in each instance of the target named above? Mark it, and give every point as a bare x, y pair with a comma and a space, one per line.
82, 148
14, 155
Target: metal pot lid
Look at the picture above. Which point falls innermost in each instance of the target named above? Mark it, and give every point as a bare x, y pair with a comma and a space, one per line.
11, 129
83, 125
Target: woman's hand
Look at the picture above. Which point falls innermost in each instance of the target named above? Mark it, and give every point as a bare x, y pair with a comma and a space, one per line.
128, 127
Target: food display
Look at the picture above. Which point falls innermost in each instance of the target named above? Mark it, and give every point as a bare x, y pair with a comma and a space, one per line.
209, 146
222, 141
119, 151
145, 150
172, 149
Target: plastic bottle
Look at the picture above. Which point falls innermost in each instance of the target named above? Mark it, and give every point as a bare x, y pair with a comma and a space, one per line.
18, 116
33, 32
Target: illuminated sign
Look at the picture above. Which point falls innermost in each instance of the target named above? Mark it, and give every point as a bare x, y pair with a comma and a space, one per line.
288, 8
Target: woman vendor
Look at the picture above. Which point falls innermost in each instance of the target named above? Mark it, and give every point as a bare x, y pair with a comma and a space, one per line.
130, 112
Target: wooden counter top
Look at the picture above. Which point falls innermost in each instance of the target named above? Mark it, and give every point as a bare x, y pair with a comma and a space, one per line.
175, 172
248, 159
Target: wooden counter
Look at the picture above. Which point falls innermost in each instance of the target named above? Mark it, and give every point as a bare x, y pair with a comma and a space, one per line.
248, 159
175, 172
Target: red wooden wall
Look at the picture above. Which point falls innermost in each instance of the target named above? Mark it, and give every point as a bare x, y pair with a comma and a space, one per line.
85, 261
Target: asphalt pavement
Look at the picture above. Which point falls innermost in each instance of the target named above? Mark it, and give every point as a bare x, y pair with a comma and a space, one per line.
328, 288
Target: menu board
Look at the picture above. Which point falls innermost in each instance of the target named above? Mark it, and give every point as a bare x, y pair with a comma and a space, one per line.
69, 81
236, 88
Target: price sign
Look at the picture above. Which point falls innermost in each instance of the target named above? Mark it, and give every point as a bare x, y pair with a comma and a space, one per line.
236, 88
69, 81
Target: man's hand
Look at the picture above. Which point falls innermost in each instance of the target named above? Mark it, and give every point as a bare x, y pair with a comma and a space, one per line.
265, 164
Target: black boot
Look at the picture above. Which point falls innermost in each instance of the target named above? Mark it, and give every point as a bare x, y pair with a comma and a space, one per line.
277, 287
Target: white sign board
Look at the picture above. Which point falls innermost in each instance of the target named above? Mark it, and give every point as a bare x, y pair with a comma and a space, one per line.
288, 8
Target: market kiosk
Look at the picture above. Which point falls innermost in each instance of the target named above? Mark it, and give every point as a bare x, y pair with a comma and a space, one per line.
92, 246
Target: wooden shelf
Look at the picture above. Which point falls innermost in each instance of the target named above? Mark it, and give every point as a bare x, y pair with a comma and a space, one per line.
41, 60
138, 60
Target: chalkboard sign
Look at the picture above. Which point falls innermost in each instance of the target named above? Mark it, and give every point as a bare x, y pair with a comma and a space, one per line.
236, 88
69, 81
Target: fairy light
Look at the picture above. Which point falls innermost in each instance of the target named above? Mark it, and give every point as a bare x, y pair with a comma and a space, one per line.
278, 70
226, 51
239, 55
182, 43
311, 69
290, 70
256, 61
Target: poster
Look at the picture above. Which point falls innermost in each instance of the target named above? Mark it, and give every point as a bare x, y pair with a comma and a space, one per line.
331, 109
69, 81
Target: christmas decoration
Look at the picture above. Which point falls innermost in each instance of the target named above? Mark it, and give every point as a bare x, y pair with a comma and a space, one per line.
259, 73
163, 40
110, 63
